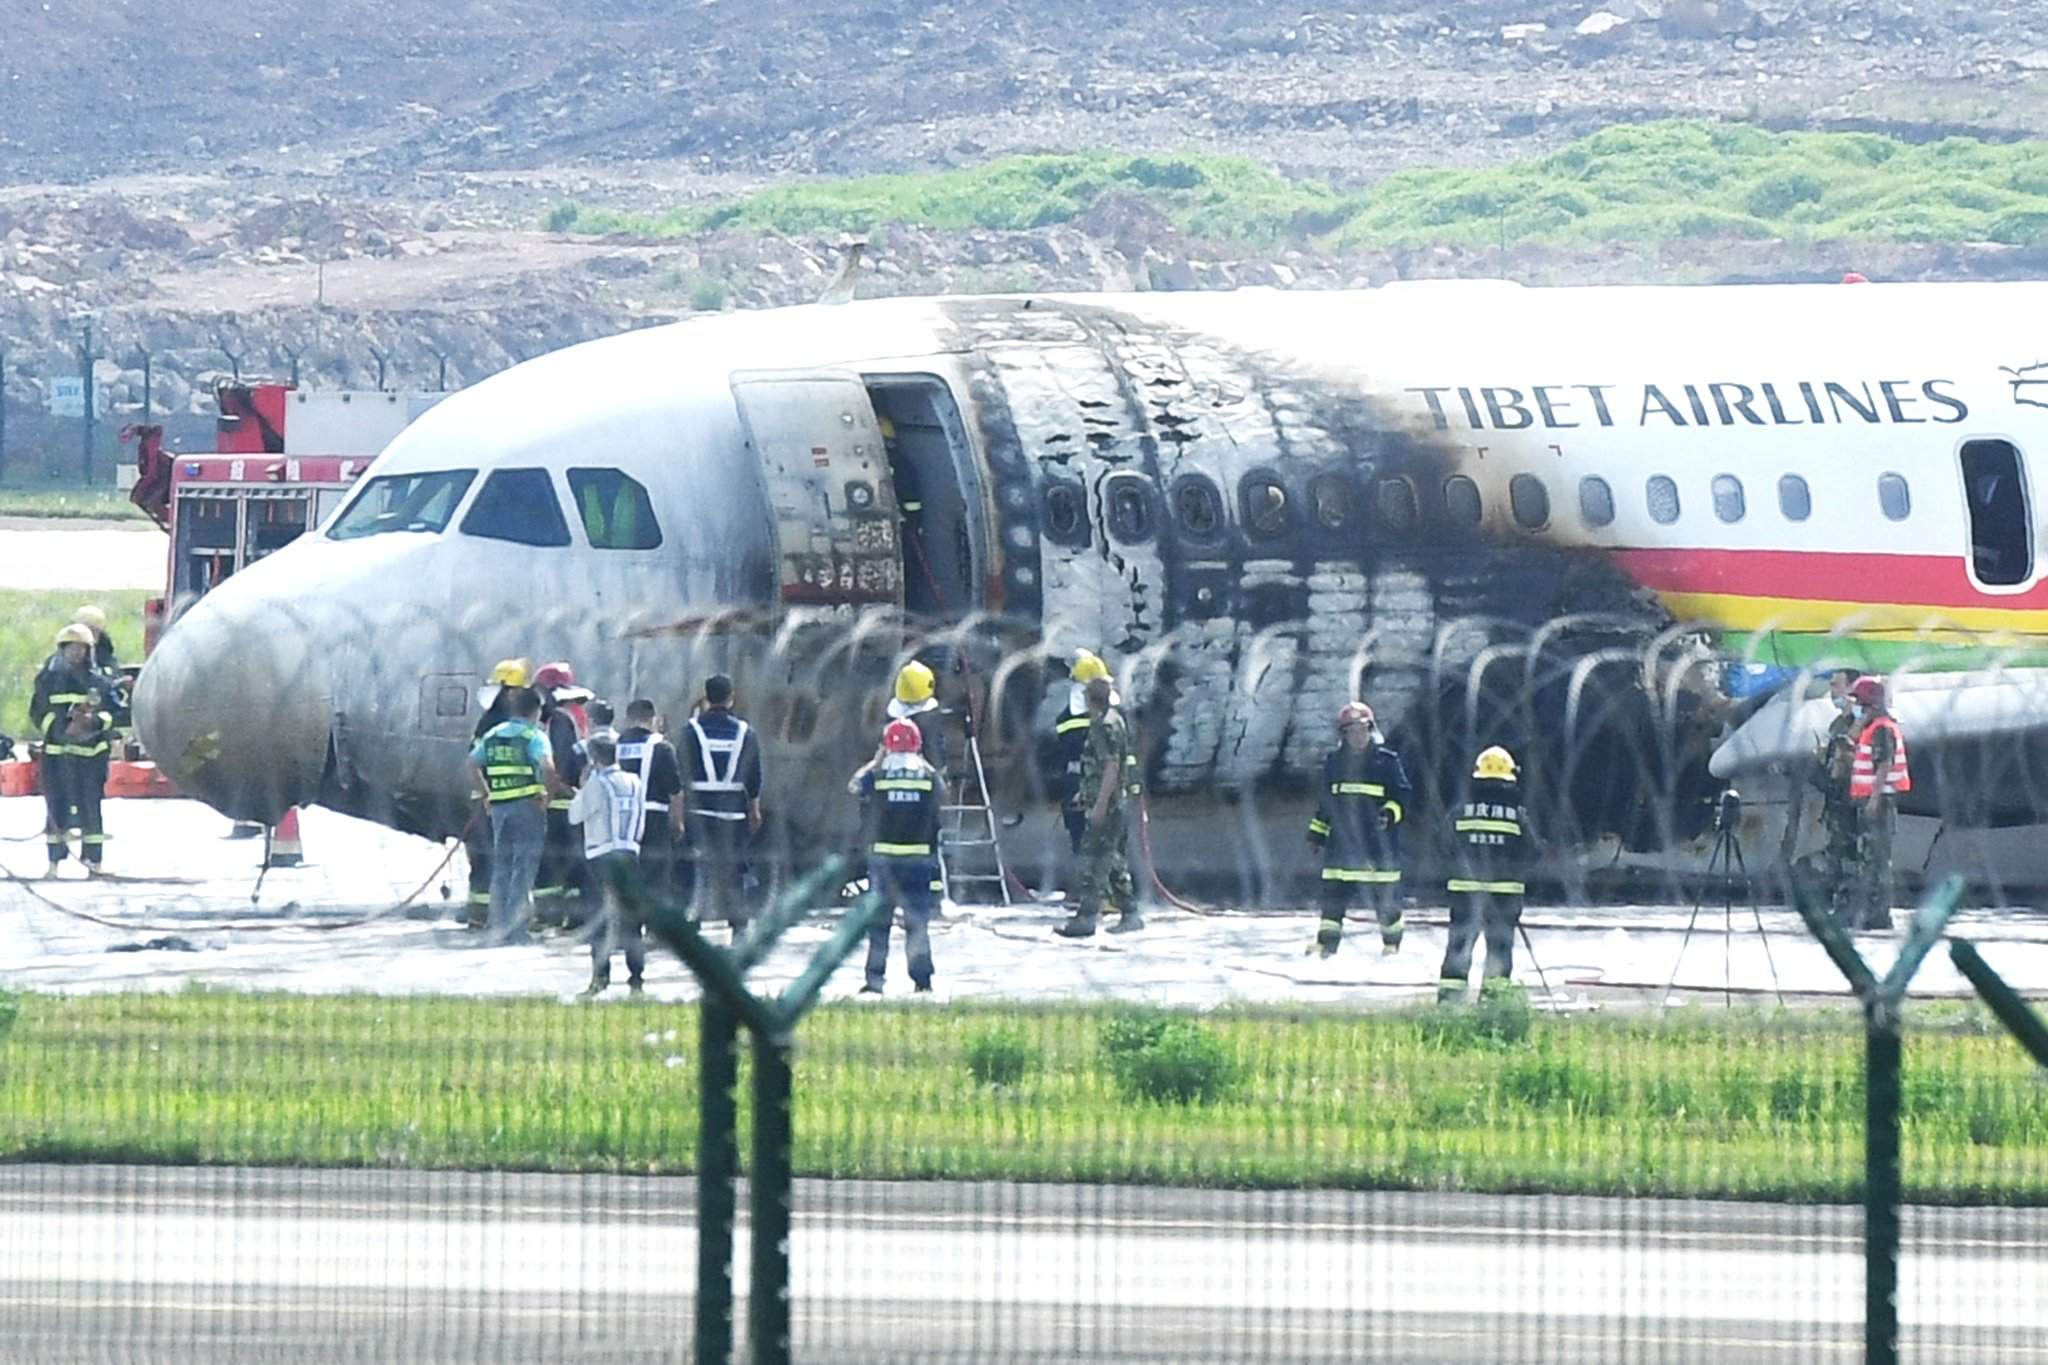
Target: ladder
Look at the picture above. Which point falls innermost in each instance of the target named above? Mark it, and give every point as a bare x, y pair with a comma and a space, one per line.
967, 825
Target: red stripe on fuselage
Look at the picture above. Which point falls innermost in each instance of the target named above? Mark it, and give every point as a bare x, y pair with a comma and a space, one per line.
1822, 575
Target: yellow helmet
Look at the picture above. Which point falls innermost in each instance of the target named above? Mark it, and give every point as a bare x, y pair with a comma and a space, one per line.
1088, 667
915, 684
91, 616
1495, 763
512, 673
75, 634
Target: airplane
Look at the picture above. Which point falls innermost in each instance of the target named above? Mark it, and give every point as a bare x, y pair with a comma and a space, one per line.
1622, 529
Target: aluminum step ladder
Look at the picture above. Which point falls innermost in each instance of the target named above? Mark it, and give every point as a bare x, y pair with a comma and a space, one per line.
966, 827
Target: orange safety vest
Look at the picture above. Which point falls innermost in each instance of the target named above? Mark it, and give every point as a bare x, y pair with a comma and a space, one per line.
1863, 773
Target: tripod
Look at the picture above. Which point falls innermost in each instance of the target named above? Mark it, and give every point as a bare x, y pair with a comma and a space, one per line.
1727, 852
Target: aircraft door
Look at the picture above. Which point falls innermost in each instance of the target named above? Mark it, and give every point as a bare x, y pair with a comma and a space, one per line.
829, 490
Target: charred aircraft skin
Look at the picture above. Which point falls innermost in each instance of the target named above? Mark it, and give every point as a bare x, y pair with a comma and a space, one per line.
1257, 541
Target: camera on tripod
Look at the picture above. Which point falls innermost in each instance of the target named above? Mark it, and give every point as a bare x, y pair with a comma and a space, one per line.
1727, 809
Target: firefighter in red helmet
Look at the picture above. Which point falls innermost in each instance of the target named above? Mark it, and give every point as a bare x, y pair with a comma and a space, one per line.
1878, 776
1364, 800
558, 897
903, 795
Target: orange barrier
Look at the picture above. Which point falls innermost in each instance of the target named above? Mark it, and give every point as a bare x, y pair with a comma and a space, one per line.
19, 777
138, 779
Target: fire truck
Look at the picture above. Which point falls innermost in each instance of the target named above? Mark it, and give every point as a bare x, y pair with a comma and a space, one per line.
284, 459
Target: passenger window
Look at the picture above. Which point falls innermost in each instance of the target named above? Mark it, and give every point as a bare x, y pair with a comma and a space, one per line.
1728, 501
1063, 513
1461, 500
1795, 500
1198, 506
1529, 499
1994, 489
1130, 508
1265, 505
1397, 505
617, 513
1330, 495
1596, 501
1894, 497
1662, 496
518, 505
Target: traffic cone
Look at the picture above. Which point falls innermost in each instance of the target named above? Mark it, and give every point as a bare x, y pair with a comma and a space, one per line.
285, 850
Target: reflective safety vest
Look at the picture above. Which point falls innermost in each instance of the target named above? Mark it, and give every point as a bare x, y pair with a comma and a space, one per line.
633, 757
509, 769
95, 743
907, 821
719, 778
1863, 772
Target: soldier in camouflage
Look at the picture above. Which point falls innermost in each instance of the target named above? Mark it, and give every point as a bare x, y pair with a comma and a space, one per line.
1107, 769
1838, 812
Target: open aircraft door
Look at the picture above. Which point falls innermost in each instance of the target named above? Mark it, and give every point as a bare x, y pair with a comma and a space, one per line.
829, 489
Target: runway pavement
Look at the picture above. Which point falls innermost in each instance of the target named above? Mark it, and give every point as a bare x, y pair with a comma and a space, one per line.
143, 1264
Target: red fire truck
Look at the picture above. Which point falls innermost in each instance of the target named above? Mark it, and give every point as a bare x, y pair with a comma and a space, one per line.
284, 460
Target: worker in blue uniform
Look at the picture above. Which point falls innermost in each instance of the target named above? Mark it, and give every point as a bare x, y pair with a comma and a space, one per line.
1363, 801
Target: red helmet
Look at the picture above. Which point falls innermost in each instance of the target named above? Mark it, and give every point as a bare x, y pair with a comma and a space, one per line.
902, 737
1354, 713
1867, 691
551, 676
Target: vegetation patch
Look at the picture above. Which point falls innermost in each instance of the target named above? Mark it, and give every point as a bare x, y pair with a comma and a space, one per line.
1732, 1105
95, 503
1645, 182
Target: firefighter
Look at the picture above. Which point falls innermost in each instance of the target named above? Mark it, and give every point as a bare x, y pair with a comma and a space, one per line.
1832, 763
1490, 846
1107, 771
1357, 826
903, 797
722, 792
1068, 744
647, 754
76, 739
95, 620
1878, 776
559, 892
514, 771
917, 701
508, 677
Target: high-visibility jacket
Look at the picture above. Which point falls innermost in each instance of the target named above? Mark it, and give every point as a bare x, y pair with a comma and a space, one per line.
560, 728
1066, 748
1863, 772
648, 755
905, 810
59, 687
511, 771
725, 765
1365, 798
1490, 839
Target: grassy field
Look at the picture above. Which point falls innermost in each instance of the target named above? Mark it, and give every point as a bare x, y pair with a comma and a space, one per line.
29, 621
1642, 182
1721, 1105
97, 502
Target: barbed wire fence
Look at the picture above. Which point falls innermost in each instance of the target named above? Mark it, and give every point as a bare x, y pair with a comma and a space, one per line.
1192, 1142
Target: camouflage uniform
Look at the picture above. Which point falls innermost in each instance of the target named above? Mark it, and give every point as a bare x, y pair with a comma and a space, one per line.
1105, 870
1838, 814
1874, 890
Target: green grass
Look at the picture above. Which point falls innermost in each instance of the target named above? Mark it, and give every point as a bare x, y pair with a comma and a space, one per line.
29, 622
1721, 1105
1630, 183
97, 502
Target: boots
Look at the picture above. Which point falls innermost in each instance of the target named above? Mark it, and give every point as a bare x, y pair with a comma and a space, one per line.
1082, 925
1128, 922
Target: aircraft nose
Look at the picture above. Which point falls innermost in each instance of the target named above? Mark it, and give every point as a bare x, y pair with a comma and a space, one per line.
235, 705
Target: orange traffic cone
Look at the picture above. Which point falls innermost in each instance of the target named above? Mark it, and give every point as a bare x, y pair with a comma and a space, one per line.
284, 849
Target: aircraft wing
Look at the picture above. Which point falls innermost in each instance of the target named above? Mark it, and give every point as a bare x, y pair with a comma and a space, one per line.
1932, 708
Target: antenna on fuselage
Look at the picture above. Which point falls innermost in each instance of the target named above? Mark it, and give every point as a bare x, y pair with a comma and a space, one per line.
841, 288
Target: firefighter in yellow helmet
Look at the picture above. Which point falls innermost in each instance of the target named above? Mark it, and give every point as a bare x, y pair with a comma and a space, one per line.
77, 736
1067, 745
1490, 849
917, 701
508, 677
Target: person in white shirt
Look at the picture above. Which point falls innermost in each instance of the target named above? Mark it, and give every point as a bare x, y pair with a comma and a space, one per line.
612, 808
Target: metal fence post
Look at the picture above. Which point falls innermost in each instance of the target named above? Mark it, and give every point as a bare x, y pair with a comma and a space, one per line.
85, 368
718, 1165
768, 1290
1882, 1192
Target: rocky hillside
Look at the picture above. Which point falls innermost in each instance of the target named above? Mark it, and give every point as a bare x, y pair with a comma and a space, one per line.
358, 178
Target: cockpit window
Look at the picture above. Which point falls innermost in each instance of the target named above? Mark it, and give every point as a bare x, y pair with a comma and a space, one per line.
403, 502
518, 505
617, 513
